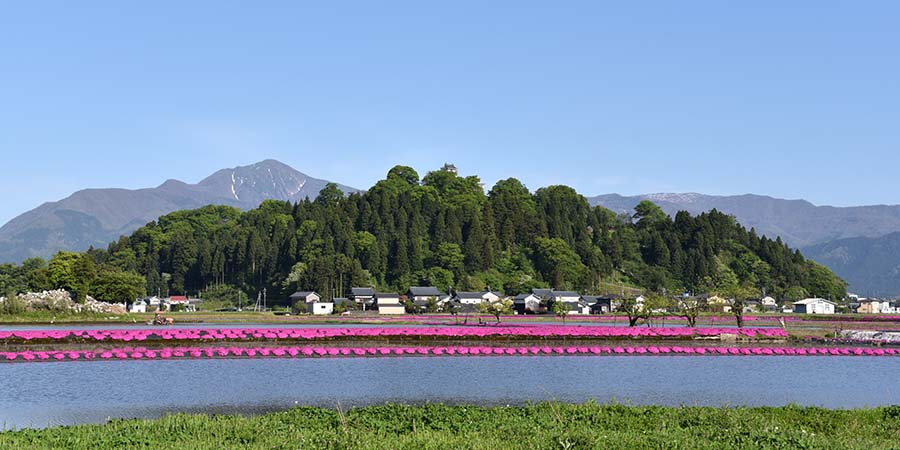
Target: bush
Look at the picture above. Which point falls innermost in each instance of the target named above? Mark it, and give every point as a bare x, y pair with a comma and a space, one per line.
12, 305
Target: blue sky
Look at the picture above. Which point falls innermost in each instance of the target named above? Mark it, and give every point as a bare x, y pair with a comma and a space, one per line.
790, 99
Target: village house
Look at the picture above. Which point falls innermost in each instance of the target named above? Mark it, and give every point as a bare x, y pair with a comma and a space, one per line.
389, 303
421, 295
180, 302
311, 303
363, 296
873, 306
769, 304
528, 304
474, 298
752, 306
140, 305
564, 296
599, 304
319, 307
814, 306
576, 307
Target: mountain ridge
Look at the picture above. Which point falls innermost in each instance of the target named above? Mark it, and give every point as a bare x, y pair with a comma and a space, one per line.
798, 222
97, 216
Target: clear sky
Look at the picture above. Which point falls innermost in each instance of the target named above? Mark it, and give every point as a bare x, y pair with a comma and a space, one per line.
793, 99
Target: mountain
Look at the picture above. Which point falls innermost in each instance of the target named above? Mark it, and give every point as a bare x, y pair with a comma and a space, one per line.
870, 265
798, 222
96, 217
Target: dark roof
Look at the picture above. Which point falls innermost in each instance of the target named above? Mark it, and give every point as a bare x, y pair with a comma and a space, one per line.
302, 294
574, 306
469, 294
387, 295
341, 300
542, 292
362, 292
421, 291
566, 294
594, 299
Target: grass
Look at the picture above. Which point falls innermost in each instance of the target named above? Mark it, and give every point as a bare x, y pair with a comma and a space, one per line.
543, 426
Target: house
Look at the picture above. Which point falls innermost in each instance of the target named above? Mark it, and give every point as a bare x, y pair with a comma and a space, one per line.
873, 306
752, 306
769, 304
578, 307
139, 306
529, 304
718, 304
389, 303
543, 294
364, 296
565, 296
474, 298
814, 306
599, 304
305, 297
177, 301
421, 295
319, 308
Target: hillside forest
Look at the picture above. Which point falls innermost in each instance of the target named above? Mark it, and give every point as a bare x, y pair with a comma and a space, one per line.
441, 230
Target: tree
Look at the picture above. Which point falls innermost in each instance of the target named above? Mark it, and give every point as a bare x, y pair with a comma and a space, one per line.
115, 286
225, 295
496, 309
292, 280
655, 304
559, 263
648, 214
453, 308
330, 195
690, 308
634, 310
561, 310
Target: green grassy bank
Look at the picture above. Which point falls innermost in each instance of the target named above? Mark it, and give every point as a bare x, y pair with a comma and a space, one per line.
544, 426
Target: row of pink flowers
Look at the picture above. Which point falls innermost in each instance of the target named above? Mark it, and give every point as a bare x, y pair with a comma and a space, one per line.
129, 353
326, 333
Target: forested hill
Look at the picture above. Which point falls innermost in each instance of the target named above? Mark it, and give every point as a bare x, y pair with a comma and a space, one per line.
443, 230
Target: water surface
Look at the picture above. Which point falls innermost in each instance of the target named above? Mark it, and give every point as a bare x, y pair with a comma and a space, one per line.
46, 394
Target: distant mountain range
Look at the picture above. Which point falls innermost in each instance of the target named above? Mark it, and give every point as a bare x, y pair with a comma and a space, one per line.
861, 243
798, 222
870, 265
96, 217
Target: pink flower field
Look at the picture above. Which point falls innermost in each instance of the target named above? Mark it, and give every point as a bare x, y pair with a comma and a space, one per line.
266, 334
175, 353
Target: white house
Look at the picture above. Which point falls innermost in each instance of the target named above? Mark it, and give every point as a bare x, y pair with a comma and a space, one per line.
769, 303
474, 298
874, 306
138, 306
389, 303
318, 307
565, 296
301, 301
528, 304
814, 306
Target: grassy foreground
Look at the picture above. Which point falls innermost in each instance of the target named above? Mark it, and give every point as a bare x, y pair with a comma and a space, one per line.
544, 426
